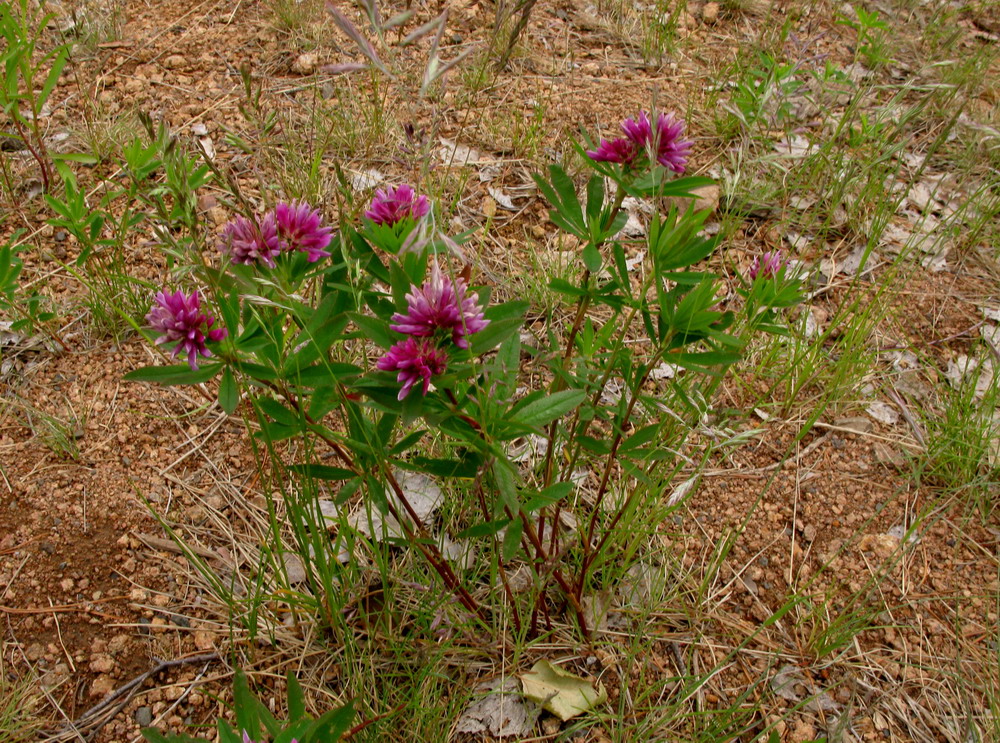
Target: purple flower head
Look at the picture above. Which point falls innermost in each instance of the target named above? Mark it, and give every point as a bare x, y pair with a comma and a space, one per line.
639, 129
181, 320
393, 205
672, 152
247, 241
766, 265
662, 142
441, 304
619, 150
300, 227
415, 360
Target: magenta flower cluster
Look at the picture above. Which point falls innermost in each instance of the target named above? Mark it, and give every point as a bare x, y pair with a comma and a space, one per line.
393, 205
180, 319
441, 311
286, 228
766, 265
662, 143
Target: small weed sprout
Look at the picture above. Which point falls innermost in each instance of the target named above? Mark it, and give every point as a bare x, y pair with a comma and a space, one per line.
254, 719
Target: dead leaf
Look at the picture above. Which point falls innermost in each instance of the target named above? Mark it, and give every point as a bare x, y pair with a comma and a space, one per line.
795, 146
596, 608
562, 693
421, 492
889, 455
462, 552
965, 367
798, 241
790, 684
850, 265
294, 568
920, 196
502, 199
990, 313
898, 532
883, 412
528, 449
208, 146
365, 180
664, 370
501, 711
457, 155
856, 424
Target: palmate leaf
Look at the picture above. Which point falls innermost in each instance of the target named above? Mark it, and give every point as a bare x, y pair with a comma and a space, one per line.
561, 194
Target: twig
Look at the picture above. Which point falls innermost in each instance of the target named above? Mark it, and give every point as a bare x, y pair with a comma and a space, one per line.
90, 716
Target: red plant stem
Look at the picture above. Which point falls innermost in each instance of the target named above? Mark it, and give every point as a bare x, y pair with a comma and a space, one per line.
500, 566
581, 313
590, 555
39, 156
429, 550
532, 536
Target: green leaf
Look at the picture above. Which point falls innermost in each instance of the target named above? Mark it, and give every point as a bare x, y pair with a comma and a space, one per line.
278, 412
323, 373
245, 704
547, 497
506, 311
540, 408
512, 539
229, 394
561, 692
563, 184
296, 699
331, 726
483, 530
462, 468
493, 335
591, 257
506, 481
322, 472
702, 362
324, 399
257, 371
84, 158
564, 287
653, 184
640, 438
375, 330
174, 374
595, 203
53, 77
407, 442
594, 446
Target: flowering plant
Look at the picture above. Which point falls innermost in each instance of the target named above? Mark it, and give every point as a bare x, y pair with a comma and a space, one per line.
361, 342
